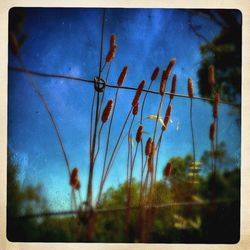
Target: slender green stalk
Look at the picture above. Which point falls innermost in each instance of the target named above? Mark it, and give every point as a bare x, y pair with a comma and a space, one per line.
91, 166
158, 115
216, 141
107, 145
157, 154
158, 146
118, 140
103, 94
46, 106
141, 182
91, 124
99, 142
144, 100
192, 131
141, 117
129, 147
127, 217
104, 177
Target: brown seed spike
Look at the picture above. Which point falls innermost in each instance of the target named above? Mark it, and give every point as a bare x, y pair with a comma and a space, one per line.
135, 109
211, 78
122, 76
173, 88
169, 68
151, 158
78, 185
153, 148
107, 110
212, 131
155, 73
74, 177
111, 54
148, 146
190, 88
138, 93
163, 83
74, 172
112, 40
167, 117
139, 134
168, 169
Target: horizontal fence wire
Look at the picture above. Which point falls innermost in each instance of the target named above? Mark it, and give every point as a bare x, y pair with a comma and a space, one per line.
41, 74
119, 209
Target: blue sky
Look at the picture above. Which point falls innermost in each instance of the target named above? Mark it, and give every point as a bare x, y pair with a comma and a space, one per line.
67, 41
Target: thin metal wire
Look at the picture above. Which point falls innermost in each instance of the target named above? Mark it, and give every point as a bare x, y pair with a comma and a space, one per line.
118, 209
41, 74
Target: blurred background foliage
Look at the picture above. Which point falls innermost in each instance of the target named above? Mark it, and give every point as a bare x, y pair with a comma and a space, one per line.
224, 52
218, 223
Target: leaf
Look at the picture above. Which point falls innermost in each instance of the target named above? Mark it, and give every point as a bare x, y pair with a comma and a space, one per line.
154, 117
161, 121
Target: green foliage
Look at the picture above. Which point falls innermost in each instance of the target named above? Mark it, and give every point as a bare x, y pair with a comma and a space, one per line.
224, 52
21, 201
184, 224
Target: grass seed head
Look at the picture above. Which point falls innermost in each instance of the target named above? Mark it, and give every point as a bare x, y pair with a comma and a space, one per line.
111, 54
163, 83
153, 148
155, 73
190, 88
139, 134
135, 109
211, 78
112, 41
107, 110
74, 177
78, 185
148, 146
169, 68
151, 158
167, 170
167, 117
173, 88
122, 76
138, 93
212, 131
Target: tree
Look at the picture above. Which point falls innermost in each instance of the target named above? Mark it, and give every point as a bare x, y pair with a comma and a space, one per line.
224, 52
21, 201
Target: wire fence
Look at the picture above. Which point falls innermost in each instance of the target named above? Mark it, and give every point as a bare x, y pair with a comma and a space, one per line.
119, 209
89, 81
